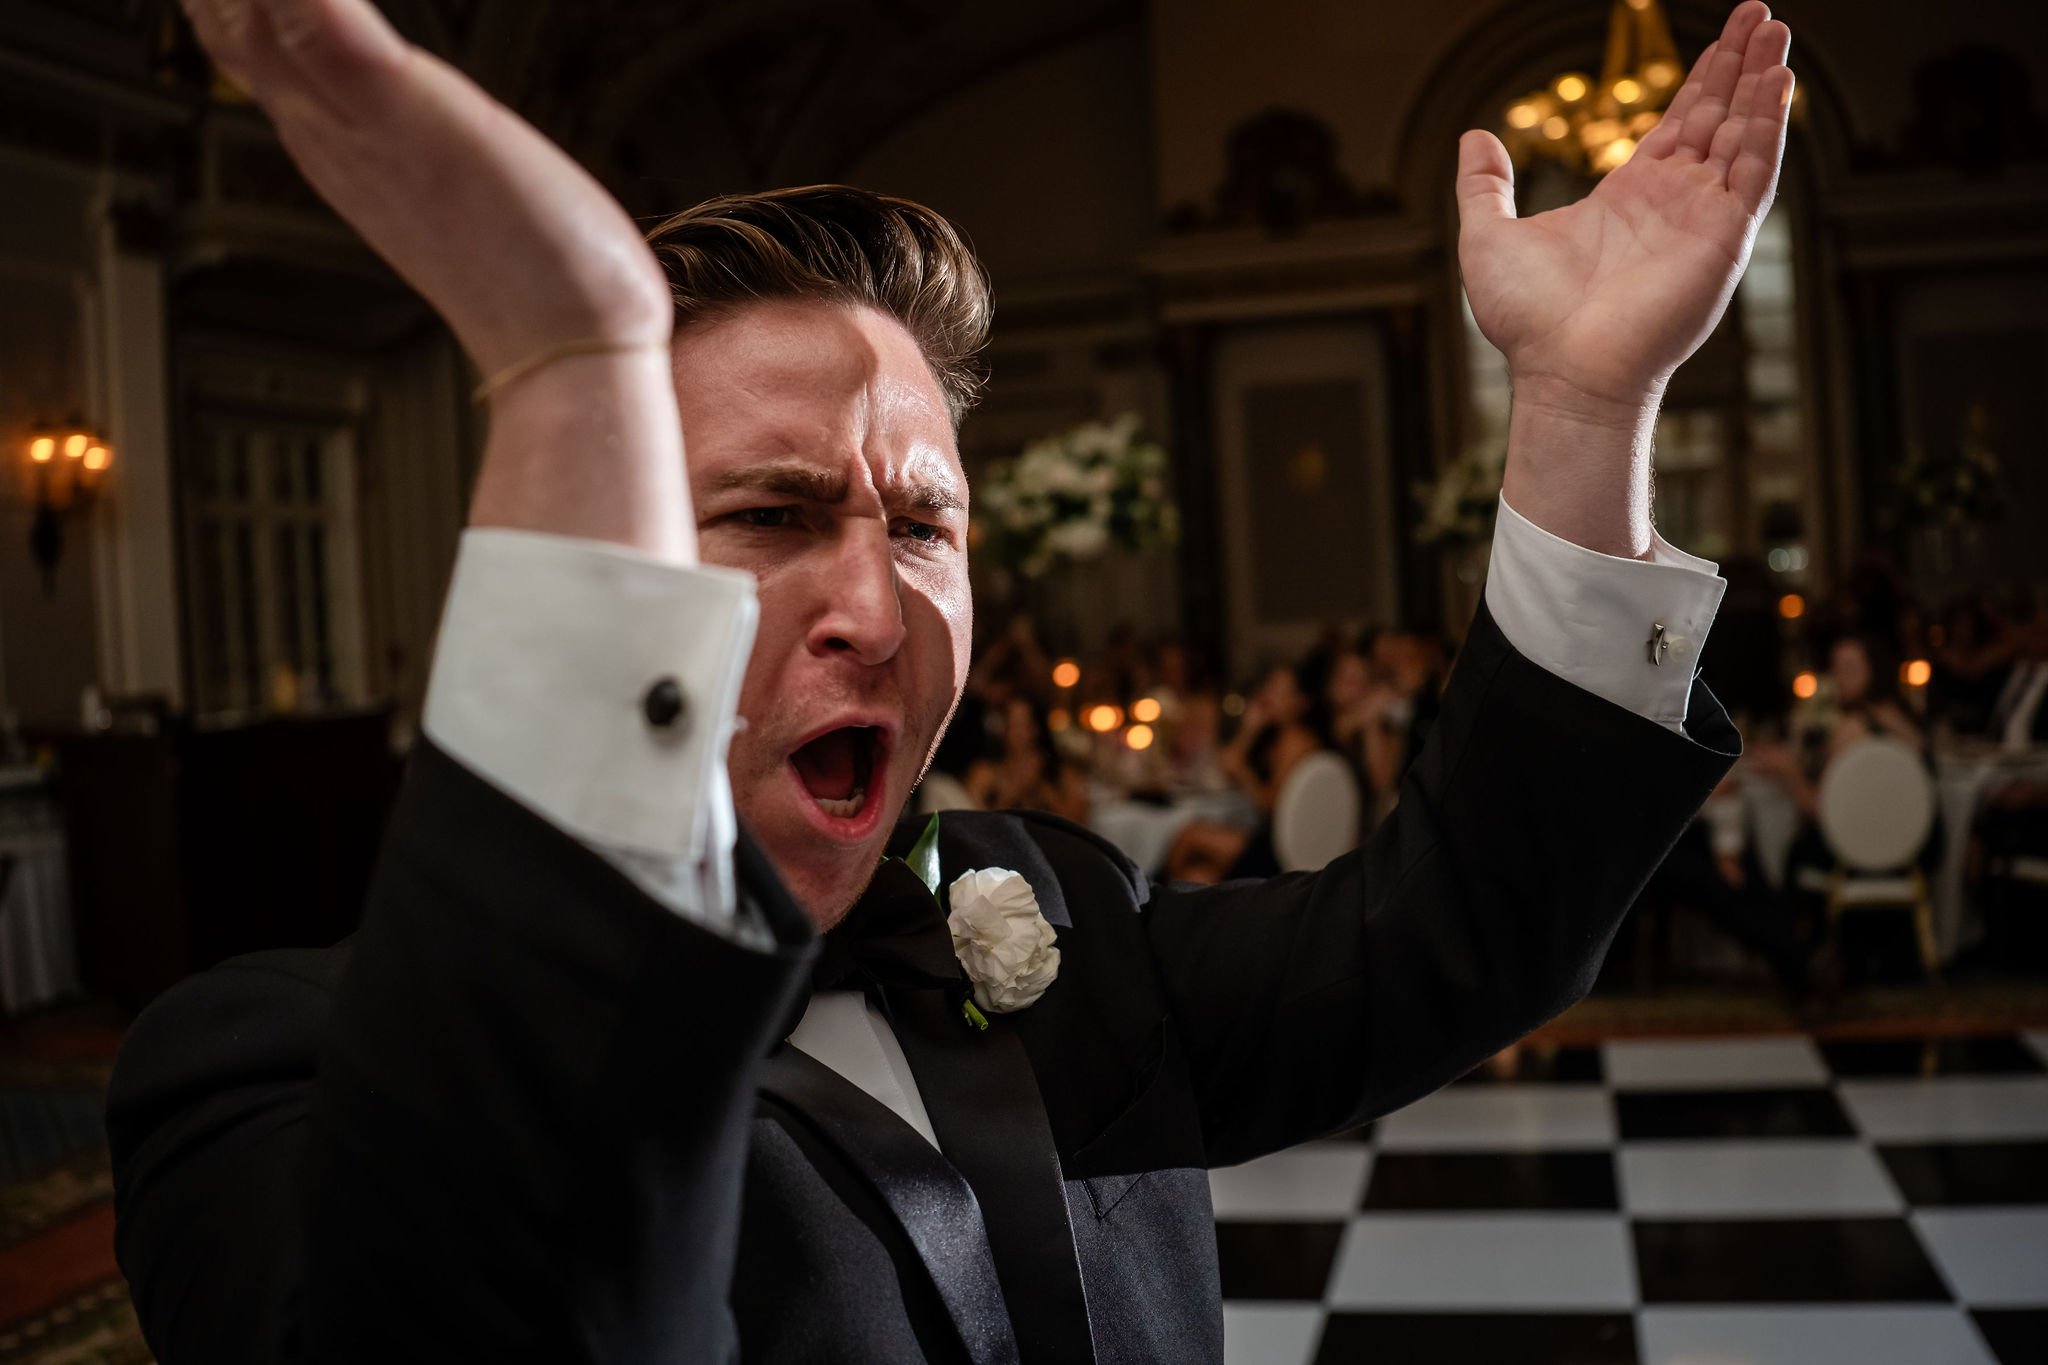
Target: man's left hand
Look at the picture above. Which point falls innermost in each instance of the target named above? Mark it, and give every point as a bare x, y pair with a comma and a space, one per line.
1594, 305
1597, 303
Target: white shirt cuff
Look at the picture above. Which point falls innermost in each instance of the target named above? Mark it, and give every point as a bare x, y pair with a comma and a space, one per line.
1591, 618
549, 648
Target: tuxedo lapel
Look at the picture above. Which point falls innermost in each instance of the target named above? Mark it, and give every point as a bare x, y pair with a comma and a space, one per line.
983, 1098
934, 1205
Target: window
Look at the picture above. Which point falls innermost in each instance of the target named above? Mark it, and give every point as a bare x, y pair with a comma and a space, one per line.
271, 564
1734, 468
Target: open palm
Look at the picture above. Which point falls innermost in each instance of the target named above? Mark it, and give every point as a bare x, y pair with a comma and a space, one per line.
1606, 297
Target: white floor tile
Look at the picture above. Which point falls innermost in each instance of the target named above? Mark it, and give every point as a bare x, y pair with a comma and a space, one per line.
1714, 1064
1502, 1118
1309, 1182
1949, 1108
1809, 1336
1270, 1333
1551, 1262
1767, 1178
1993, 1258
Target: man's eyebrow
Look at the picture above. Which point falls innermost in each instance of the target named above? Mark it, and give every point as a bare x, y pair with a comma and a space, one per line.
788, 478
932, 497
801, 479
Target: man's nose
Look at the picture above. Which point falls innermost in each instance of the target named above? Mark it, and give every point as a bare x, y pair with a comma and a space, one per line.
863, 604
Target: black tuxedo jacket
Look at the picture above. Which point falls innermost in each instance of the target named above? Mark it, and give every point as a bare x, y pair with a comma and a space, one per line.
528, 1114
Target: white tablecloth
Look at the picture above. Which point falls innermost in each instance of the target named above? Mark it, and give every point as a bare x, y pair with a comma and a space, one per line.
1145, 830
38, 962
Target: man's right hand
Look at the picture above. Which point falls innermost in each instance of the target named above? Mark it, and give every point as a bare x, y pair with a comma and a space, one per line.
513, 243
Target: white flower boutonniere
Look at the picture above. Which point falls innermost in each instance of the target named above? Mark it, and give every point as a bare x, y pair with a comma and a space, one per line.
1002, 940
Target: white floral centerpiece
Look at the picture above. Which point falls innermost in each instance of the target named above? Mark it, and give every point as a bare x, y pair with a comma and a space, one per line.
1070, 496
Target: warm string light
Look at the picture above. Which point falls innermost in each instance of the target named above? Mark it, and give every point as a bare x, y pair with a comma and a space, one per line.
1138, 737
1066, 673
1805, 685
1791, 606
1145, 710
1102, 718
1916, 673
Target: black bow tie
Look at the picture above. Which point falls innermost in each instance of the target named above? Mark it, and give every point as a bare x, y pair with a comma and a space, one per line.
895, 937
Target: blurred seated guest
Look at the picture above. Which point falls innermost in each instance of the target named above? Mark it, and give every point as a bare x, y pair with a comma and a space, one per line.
1858, 699
1285, 721
1369, 726
1172, 676
2019, 717
1028, 772
1013, 664
1713, 871
1124, 670
1972, 654
1194, 749
1414, 664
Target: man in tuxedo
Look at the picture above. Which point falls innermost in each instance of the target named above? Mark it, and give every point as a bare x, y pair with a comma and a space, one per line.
586, 1084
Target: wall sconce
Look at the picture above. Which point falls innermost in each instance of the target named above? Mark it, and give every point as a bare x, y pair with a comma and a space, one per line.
68, 464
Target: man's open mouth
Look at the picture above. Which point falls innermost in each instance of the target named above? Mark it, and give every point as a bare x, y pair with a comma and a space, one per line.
838, 768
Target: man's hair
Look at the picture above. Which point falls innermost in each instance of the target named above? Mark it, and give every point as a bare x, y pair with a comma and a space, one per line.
837, 244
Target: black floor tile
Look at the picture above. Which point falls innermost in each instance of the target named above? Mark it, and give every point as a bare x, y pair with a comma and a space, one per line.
1276, 1260
1492, 1180
1820, 1260
1969, 1172
2000, 1055
1561, 1065
1651, 1114
1478, 1339
2017, 1336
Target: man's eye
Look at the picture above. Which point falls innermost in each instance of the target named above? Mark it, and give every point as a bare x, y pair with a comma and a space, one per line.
768, 518
924, 532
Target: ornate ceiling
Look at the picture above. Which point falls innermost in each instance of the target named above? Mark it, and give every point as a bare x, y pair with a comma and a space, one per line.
672, 99
661, 98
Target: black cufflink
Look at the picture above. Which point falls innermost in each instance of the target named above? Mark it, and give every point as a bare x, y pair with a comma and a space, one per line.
664, 705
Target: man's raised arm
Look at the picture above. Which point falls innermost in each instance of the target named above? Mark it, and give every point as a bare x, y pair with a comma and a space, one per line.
1543, 799
518, 1132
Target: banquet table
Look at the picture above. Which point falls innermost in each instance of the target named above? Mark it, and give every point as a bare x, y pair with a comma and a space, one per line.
1963, 778
38, 960
1145, 830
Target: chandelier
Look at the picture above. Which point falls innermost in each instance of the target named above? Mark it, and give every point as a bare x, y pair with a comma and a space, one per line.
1595, 127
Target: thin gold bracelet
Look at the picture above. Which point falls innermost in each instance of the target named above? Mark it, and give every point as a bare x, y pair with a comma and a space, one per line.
561, 350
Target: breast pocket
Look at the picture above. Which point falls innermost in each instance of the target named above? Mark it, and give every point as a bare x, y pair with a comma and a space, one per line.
1158, 1130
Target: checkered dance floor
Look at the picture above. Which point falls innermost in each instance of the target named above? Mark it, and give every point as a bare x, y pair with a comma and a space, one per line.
1757, 1201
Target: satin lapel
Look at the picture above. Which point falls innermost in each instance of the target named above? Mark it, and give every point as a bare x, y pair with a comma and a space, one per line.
936, 1208
983, 1098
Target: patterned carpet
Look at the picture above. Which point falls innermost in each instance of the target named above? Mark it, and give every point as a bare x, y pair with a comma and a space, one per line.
62, 1299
